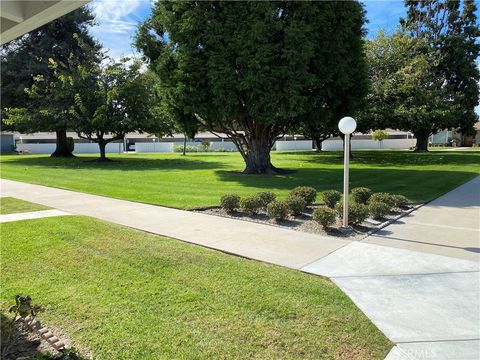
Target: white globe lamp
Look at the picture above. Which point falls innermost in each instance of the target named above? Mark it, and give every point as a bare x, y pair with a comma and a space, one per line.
346, 125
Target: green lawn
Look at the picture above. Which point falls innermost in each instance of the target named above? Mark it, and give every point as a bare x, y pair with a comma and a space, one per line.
125, 294
10, 205
199, 179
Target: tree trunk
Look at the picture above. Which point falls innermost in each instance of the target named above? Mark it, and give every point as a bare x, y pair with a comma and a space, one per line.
102, 145
318, 140
318, 143
257, 157
62, 146
422, 140
184, 145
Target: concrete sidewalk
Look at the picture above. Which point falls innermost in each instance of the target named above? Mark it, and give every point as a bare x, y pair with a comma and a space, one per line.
449, 225
271, 244
32, 215
424, 301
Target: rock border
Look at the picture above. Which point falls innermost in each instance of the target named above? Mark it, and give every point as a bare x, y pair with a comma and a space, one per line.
35, 325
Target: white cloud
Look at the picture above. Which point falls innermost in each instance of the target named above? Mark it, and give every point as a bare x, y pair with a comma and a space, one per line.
113, 10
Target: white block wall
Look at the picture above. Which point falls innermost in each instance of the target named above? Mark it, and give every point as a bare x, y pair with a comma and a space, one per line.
92, 148
80, 148
141, 147
370, 144
37, 148
282, 145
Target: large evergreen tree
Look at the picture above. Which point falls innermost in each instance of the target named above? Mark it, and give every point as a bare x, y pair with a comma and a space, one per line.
252, 70
425, 77
27, 58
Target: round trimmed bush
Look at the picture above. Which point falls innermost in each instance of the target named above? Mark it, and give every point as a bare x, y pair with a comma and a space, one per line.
324, 216
277, 210
383, 197
295, 204
266, 197
230, 202
400, 201
331, 197
357, 213
378, 210
361, 194
250, 204
307, 193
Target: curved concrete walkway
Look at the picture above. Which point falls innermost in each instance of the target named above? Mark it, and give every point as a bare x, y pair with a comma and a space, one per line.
418, 279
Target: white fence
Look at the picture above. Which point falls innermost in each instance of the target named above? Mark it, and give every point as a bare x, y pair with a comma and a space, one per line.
283, 145
370, 144
153, 147
80, 148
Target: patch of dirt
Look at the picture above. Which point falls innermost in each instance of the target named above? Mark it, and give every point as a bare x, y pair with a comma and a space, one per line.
25, 344
305, 223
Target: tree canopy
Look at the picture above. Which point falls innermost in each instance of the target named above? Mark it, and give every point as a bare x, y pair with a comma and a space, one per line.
252, 70
424, 77
25, 60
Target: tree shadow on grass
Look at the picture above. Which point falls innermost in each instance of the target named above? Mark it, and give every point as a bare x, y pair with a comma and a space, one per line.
397, 158
417, 185
121, 164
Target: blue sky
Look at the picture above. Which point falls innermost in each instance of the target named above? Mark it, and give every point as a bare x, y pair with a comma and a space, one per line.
117, 20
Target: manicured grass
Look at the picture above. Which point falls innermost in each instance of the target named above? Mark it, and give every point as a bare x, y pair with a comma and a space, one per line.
10, 205
125, 294
200, 179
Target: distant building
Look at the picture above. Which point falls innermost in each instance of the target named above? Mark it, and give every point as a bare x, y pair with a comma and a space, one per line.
7, 142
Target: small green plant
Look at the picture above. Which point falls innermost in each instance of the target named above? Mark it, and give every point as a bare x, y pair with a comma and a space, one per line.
378, 210
307, 193
331, 197
361, 194
277, 210
400, 201
22, 309
250, 204
266, 197
383, 197
357, 213
230, 202
324, 216
380, 135
295, 204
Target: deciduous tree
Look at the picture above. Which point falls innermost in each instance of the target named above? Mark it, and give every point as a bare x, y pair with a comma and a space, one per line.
25, 59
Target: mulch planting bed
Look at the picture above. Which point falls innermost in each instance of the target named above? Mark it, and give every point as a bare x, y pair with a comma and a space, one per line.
305, 223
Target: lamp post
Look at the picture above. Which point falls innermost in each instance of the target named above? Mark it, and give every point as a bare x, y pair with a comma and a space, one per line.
346, 125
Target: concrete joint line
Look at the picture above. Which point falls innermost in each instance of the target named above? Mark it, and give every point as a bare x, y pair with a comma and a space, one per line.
413, 274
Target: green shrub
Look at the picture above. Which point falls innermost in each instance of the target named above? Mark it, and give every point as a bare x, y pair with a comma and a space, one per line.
378, 209
400, 201
361, 194
331, 197
356, 212
230, 202
295, 204
277, 210
250, 204
383, 197
324, 216
266, 197
307, 193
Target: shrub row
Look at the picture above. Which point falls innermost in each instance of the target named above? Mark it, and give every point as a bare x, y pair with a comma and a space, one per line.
365, 203
296, 202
